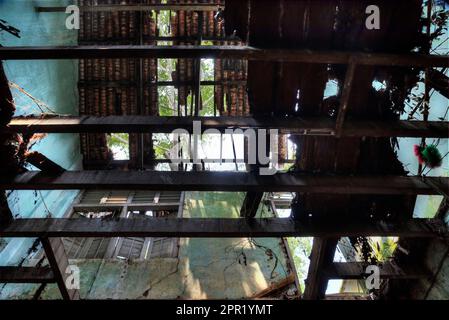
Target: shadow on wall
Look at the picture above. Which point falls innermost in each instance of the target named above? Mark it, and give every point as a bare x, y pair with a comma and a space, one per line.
224, 267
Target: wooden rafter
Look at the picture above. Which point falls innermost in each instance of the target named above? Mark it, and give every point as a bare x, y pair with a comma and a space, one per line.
217, 227
6, 215
294, 126
223, 181
344, 101
136, 7
275, 287
222, 52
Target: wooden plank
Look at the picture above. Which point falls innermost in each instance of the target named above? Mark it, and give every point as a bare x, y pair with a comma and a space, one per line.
347, 296
389, 270
41, 162
217, 227
221, 52
58, 261
26, 275
148, 39
295, 126
223, 181
136, 7
140, 124
344, 101
323, 251
275, 287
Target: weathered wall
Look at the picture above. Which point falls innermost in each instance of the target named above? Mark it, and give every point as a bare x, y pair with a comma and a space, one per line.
54, 83
206, 268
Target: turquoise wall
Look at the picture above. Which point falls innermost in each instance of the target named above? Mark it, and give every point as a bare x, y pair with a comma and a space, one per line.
55, 84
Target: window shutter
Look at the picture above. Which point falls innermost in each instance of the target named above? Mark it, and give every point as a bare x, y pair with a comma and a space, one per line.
116, 197
164, 248
73, 246
170, 197
86, 248
125, 247
130, 248
92, 196
143, 197
97, 197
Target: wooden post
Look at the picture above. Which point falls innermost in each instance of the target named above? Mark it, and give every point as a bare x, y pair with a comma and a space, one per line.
322, 256
57, 258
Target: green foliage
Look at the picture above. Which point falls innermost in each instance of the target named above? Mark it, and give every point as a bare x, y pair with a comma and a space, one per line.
384, 249
301, 249
119, 144
162, 145
207, 98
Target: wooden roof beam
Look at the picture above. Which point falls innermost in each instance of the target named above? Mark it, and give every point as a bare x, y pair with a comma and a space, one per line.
224, 181
218, 227
136, 7
294, 126
222, 52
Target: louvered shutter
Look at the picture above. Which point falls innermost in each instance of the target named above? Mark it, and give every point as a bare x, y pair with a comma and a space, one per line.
86, 248
91, 248
164, 247
130, 248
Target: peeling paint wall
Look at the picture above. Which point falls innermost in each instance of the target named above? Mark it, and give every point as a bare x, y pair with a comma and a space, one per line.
206, 268
54, 82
